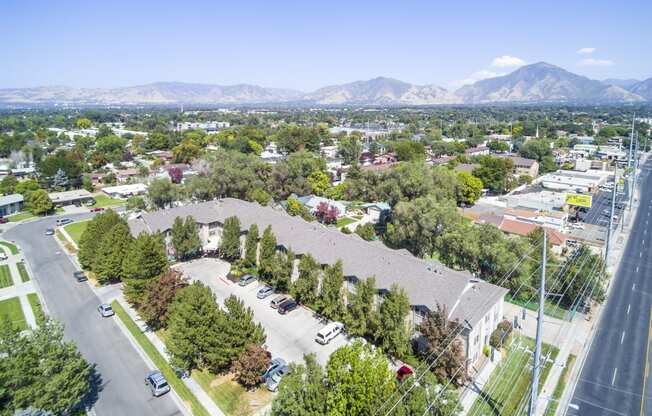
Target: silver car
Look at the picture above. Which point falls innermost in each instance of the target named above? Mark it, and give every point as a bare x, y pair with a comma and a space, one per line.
265, 291
275, 379
274, 365
105, 310
157, 383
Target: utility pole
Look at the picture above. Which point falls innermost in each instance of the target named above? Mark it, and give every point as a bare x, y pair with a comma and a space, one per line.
611, 216
631, 143
536, 370
633, 179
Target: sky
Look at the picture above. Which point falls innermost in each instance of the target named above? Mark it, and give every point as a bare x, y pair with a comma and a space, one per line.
306, 45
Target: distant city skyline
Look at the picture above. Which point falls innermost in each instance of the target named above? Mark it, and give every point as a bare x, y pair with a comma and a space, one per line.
306, 45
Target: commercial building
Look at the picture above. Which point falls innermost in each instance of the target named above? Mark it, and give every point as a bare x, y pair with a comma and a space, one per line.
476, 304
11, 204
574, 181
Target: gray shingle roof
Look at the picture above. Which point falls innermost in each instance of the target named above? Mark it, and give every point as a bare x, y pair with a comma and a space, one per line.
426, 283
11, 199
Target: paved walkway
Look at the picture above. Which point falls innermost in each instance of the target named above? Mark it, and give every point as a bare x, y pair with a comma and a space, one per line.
19, 289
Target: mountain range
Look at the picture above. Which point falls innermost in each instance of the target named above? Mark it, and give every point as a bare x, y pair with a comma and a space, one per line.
535, 83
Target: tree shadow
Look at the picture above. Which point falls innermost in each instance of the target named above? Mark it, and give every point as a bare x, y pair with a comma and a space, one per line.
95, 382
486, 398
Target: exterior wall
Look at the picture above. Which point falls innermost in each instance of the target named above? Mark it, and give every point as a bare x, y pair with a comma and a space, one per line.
480, 334
10, 209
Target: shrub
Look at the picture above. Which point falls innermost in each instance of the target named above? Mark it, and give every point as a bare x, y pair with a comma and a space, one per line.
485, 350
250, 365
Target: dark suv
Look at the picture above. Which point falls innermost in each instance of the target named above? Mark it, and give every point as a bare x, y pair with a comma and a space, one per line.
287, 306
80, 276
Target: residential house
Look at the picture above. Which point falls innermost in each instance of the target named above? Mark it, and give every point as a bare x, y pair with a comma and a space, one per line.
477, 151
525, 166
11, 204
125, 191
378, 212
73, 197
312, 202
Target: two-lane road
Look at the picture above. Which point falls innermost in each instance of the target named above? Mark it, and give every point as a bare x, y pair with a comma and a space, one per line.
614, 375
100, 340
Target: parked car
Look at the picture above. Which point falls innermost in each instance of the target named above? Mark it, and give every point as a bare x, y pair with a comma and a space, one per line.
327, 333
275, 378
287, 306
63, 221
272, 367
577, 226
3, 220
3, 256
157, 383
278, 300
98, 209
105, 310
246, 279
80, 276
49, 231
403, 372
90, 202
264, 291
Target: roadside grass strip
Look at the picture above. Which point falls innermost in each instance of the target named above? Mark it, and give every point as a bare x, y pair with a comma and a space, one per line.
75, 230
11, 309
11, 247
24, 276
5, 276
35, 303
551, 409
162, 365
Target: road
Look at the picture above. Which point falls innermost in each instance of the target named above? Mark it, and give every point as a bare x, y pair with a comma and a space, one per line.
122, 370
614, 376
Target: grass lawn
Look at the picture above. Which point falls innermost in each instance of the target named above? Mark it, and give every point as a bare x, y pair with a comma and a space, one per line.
76, 229
505, 392
163, 366
5, 276
231, 397
561, 386
549, 309
103, 201
24, 276
67, 244
11, 247
344, 221
35, 303
11, 308
22, 215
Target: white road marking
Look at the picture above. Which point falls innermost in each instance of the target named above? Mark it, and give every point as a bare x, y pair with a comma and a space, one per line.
622, 337
613, 379
628, 308
636, 269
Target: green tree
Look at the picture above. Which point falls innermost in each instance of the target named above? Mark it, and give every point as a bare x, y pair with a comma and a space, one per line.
185, 238
409, 150
494, 172
251, 247
83, 123
367, 231
112, 252
393, 335
161, 192
230, 243
294, 208
282, 270
362, 319
8, 185
358, 379
305, 288
259, 195
40, 369
91, 239
267, 254
147, 259
136, 203
458, 248
195, 325
350, 149
319, 182
39, 202
186, 151
159, 294
240, 330
302, 391
331, 303
26, 187
470, 188
498, 146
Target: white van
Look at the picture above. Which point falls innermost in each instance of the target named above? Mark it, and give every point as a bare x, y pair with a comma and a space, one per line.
330, 331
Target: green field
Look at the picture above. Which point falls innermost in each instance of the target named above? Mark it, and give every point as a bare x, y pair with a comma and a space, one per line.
5, 276
11, 309
35, 303
344, 221
24, 276
103, 201
163, 366
11, 247
76, 229
506, 392
23, 215
230, 396
550, 308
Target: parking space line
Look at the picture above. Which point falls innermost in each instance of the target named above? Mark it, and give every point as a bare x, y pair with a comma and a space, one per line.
622, 337
613, 379
628, 308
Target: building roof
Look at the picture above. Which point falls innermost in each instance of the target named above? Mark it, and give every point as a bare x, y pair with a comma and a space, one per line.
11, 199
73, 195
524, 228
522, 161
466, 167
120, 189
426, 283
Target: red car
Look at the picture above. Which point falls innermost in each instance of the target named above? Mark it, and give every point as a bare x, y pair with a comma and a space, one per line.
3, 220
97, 209
403, 373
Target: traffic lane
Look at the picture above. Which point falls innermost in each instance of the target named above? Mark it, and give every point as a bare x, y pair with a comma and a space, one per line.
122, 389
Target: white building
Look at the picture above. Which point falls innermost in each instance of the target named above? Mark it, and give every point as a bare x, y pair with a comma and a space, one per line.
125, 191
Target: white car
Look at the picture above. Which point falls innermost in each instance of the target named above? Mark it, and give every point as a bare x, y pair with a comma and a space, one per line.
327, 333
577, 226
105, 310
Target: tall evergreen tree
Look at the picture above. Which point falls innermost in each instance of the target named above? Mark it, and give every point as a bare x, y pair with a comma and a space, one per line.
393, 335
185, 238
362, 318
230, 244
267, 254
251, 247
240, 330
282, 270
331, 303
112, 253
305, 288
147, 259
92, 237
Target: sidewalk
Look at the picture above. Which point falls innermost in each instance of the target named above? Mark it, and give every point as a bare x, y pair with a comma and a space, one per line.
473, 392
19, 288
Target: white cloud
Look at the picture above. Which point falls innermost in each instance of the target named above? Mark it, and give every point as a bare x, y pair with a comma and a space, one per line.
595, 62
507, 61
476, 76
585, 51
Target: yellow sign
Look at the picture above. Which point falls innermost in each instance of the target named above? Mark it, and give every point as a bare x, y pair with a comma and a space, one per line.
579, 200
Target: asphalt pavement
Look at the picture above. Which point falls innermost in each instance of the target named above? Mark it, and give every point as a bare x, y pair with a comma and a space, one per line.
121, 389
613, 380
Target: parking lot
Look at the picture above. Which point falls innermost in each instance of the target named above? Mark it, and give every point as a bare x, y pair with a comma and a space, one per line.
289, 336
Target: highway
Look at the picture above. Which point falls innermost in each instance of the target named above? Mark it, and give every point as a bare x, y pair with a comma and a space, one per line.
121, 388
613, 380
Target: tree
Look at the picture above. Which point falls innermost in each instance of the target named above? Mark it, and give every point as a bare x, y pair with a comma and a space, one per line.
302, 391
87, 183
147, 259
358, 378
259, 195
350, 149
195, 324
40, 369
362, 319
186, 151
136, 203
470, 188
175, 174
427, 393
161, 192
39, 202
249, 366
305, 288
267, 254
282, 270
91, 239
366, 231
230, 243
240, 330
294, 208
409, 150
251, 247
498, 146
26, 187
319, 182
330, 303
83, 123
442, 341
392, 334
159, 294
8, 185
185, 238
325, 213
111, 254
494, 172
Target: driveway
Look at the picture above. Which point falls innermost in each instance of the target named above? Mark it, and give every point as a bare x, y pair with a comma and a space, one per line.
289, 336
